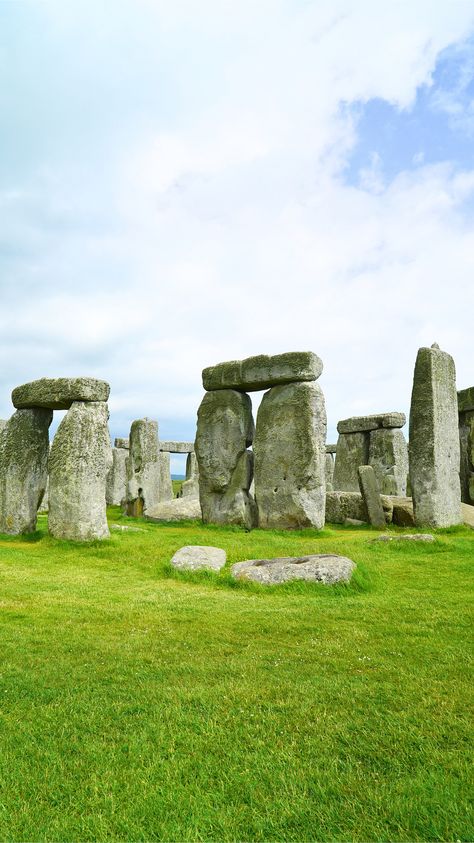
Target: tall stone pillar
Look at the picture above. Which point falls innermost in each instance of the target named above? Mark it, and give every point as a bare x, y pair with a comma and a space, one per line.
224, 431
117, 475
434, 440
190, 487
78, 464
24, 448
466, 441
290, 457
166, 484
143, 468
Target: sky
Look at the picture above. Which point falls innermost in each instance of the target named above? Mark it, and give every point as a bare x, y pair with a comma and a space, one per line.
183, 183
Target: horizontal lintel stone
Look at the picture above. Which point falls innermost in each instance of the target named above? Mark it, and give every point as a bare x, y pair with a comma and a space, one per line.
331, 449
263, 371
176, 447
122, 442
466, 400
59, 393
359, 424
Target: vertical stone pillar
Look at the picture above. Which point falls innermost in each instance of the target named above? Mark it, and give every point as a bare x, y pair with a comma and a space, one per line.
434, 440
117, 477
466, 441
329, 465
225, 429
143, 468
190, 487
78, 464
165, 483
24, 450
388, 456
352, 451
290, 457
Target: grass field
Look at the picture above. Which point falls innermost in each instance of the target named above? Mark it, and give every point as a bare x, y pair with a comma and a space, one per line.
139, 703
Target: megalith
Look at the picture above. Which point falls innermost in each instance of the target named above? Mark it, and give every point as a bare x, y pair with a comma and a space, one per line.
374, 440
388, 456
78, 464
290, 457
434, 453
352, 451
165, 482
117, 475
190, 487
225, 430
143, 468
466, 441
24, 447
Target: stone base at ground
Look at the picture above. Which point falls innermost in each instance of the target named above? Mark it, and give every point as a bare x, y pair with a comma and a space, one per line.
197, 557
325, 568
178, 509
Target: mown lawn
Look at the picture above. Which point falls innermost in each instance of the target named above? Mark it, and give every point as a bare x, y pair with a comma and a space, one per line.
138, 703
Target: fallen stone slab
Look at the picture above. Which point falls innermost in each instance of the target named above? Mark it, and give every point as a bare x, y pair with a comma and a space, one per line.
322, 567
196, 557
415, 537
359, 424
59, 393
178, 509
123, 528
466, 400
176, 447
354, 522
263, 371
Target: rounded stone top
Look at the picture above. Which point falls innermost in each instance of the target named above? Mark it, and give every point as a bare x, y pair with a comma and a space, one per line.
59, 393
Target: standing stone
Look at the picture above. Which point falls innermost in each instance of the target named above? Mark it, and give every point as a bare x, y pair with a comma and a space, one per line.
117, 477
190, 487
329, 470
23, 469
388, 456
290, 457
143, 468
352, 451
434, 440
371, 495
224, 431
78, 464
466, 441
165, 483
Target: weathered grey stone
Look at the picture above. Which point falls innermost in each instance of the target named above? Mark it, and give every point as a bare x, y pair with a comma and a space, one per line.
325, 568
471, 487
124, 528
343, 505
121, 442
417, 537
117, 477
166, 484
178, 509
190, 487
371, 495
329, 470
388, 456
467, 513
290, 457
143, 468
466, 400
23, 469
331, 449
358, 424
196, 557
79, 460
263, 371
354, 522
59, 393
3, 424
466, 461
225, 428
44, 502
403, 512
176, 447
352, 451
434, 440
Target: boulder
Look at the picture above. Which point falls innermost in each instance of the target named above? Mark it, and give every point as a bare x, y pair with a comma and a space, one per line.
24, 448
325, 568
59, 393
358, 424
434, 450
178, 509
263, 371
197, 557
225, 429
290, 457
371, 496
79, 461
352, 451
143, 468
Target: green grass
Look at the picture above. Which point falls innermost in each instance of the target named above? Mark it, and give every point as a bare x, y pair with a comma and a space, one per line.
140, 703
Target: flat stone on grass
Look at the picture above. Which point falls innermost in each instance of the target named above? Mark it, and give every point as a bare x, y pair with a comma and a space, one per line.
415, 537
196, 557
321, 567
177, 509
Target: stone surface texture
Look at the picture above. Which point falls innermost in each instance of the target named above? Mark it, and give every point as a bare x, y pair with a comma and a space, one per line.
24, 448
329, 470
225, 429
466, 444
59, 393
352, 451
117, 477
121, 442
178, 509
290, 457
79, 461
358, 424
166, 484
190, 487
325, 568
466, 400
343, 505
388, 456
370, 493
416, 537
434, 440
176, 447
263, 371
143, 468
197, 557
331, 449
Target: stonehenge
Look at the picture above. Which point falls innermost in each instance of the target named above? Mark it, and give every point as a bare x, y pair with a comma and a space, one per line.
466, 442
117, 474
377, 441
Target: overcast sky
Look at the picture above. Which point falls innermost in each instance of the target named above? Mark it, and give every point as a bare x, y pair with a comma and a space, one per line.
183, 183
